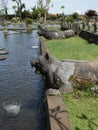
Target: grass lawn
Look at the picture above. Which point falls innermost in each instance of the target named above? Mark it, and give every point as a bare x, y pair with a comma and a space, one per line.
82, 110
82, 106
73, 48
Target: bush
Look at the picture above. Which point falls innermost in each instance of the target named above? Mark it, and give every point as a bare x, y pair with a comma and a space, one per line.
28, 21
69, 19
15, 19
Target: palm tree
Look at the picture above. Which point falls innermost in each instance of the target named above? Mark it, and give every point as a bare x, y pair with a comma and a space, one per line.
62, 7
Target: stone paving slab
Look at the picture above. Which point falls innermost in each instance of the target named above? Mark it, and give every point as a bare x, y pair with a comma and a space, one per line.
59, 119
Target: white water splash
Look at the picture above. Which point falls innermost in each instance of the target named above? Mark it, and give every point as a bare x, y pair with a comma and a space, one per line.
35, 46
13, 108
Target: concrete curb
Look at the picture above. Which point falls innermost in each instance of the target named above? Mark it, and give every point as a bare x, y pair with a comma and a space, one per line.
43, 46
58, 115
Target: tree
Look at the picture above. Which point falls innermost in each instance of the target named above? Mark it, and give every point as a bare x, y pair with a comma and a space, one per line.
37, 12
91, 13
26, 14
20, 7
75, 16
62, 7
69, 19
44, 5
4, 6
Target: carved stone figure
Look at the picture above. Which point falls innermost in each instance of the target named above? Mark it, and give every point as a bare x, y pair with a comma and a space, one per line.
76, 27
52, 34
66, 75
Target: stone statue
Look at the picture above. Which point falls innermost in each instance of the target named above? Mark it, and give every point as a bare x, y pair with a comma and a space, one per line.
66, 75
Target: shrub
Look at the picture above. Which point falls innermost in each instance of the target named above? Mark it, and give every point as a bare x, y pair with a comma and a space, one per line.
15, 19
28, 21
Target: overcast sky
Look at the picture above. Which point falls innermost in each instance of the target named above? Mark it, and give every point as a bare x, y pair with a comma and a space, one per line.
80, 6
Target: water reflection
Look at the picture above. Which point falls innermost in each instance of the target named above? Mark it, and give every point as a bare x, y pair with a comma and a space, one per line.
21, 90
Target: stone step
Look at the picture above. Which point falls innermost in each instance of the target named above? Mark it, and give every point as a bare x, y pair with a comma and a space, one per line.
3, 52
2, 57
1, 49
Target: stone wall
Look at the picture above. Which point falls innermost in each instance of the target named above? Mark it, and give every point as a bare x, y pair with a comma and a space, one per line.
89, 36
43, 46
58, 118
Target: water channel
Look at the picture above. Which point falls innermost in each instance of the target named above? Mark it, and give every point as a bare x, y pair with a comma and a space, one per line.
21, 90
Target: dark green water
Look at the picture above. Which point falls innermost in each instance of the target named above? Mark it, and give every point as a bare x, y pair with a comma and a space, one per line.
21, 90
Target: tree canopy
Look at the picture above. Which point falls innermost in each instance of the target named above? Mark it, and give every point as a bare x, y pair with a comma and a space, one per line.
75, 15
91, 13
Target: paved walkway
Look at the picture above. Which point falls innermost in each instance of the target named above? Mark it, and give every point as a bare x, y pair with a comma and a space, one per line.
59, 119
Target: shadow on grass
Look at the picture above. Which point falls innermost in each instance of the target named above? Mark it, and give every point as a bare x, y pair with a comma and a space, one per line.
90, 122
54, 113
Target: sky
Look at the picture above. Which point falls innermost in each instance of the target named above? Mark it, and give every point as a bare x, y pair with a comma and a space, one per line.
71, 6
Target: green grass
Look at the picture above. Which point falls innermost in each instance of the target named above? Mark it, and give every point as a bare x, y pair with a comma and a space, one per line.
73, 48
82, 106
82, 111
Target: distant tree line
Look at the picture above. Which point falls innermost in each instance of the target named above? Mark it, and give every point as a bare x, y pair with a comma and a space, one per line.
41, 10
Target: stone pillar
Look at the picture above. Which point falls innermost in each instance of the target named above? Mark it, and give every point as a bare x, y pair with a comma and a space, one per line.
83, 25
5, 30
88, 25
64, 25
95, 27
